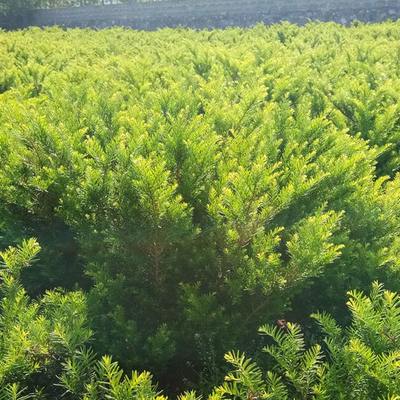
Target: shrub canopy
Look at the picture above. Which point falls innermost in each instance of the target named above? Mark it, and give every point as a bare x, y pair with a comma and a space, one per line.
198, 184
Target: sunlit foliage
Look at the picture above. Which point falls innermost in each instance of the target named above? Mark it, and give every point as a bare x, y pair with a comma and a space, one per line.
198, 184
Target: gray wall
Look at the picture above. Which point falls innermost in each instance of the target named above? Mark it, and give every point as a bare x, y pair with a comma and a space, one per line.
209, 13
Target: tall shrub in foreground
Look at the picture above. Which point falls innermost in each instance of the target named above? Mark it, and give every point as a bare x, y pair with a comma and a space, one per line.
44, 349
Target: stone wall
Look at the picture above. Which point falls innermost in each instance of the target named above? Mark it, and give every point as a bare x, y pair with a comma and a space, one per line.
208, 13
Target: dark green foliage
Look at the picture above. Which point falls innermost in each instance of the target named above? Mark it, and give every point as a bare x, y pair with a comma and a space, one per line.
44, 351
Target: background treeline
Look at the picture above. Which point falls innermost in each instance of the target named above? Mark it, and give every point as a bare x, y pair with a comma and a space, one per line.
188, 187
13, 6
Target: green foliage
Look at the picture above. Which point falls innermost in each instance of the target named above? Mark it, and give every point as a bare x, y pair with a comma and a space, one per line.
302, 368
361, 362
34, 335
195, 184
368, 361
43, 344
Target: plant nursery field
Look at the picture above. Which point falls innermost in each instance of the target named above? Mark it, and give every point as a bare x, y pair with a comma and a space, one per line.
220, 208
